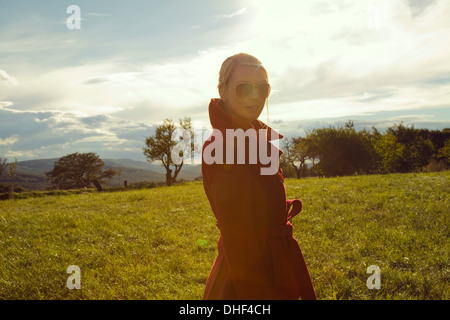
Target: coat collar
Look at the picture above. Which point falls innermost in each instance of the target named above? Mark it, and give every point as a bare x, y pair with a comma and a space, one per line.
222, 120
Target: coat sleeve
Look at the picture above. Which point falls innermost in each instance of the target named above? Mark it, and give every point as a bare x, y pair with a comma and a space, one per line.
231, 192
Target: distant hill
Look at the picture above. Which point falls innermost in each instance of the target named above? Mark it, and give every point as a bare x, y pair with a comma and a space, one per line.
31, 173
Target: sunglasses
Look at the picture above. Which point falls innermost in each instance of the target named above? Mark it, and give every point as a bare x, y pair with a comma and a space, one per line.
245, 89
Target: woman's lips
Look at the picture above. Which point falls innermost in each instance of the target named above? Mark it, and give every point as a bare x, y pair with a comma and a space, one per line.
252, 108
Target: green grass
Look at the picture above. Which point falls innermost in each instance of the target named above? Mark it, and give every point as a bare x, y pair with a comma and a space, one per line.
160, 243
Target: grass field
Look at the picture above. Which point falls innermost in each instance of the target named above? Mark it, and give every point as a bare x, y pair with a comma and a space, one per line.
160, 243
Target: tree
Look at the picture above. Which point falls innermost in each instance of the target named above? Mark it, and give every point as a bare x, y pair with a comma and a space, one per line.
444, 152
163, 146
286, 167
297, 152
438, 138
389, 151
79, 170
341, 151
418, 147
3, 164
11, 173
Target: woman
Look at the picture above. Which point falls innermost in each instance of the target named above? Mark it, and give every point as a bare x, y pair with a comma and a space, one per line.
258, 257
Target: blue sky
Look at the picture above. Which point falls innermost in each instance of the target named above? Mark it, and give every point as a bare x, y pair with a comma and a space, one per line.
105, 87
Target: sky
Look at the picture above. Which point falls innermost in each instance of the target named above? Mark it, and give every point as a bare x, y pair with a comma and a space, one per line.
105, 86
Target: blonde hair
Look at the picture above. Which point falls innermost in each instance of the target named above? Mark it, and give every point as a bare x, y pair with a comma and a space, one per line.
240, 59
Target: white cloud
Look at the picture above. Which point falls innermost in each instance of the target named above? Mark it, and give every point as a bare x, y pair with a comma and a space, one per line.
53, 134
239, 12
96, 14
8, 141
5, 104
106, 88
6, 78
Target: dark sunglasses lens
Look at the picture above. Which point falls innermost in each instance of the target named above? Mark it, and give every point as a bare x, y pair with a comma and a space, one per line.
263, 90
244, 90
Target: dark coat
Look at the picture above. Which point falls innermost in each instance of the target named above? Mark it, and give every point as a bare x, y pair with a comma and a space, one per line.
258, 258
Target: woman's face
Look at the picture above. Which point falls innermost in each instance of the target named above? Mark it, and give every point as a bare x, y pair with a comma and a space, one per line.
246, 92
